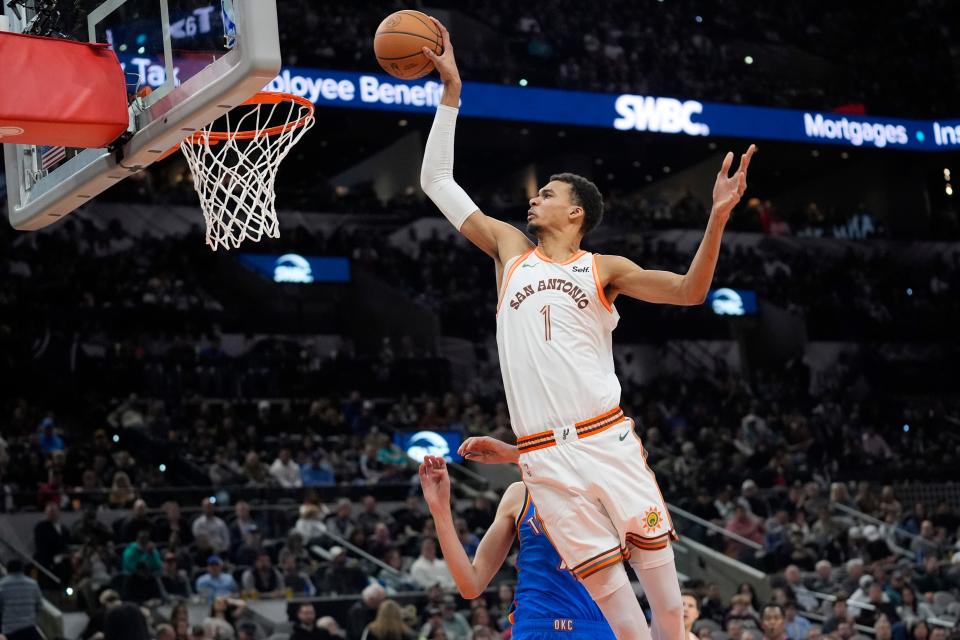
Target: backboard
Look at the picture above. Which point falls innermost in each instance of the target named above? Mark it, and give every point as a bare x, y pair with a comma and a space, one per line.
187, 62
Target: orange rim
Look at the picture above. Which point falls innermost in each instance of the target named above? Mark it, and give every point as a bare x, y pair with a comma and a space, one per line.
264, 97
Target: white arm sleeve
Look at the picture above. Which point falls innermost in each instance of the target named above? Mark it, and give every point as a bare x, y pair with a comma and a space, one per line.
436, 174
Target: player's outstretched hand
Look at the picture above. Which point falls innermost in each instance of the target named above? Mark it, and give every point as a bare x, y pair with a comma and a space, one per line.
728, 189
488, 450
435, 480
445, 63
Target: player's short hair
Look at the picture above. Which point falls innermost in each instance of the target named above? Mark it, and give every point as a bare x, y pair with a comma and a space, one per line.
774, 605
585, 194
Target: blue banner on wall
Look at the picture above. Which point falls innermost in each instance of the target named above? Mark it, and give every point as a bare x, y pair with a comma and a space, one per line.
625, 112
292, 268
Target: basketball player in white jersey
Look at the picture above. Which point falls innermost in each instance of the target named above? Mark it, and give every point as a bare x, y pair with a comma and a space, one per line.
579, 456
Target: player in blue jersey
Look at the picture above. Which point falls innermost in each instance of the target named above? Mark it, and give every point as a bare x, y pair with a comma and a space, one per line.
549, 602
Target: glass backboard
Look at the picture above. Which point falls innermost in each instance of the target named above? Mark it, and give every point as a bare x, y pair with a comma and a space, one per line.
186, 63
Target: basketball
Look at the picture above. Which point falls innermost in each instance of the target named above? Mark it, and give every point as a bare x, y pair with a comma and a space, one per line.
399, 40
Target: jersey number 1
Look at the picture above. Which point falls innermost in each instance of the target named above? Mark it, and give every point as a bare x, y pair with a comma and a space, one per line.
545, 312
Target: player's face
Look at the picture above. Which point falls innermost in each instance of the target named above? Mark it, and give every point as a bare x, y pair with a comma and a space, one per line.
551, 208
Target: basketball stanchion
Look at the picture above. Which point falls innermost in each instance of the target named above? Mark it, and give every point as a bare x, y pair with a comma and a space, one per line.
234, 169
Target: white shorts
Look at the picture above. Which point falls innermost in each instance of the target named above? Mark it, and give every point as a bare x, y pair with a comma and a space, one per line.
597, 498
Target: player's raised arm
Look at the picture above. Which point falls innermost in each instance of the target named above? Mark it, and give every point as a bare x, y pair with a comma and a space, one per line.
621, 275
472, 578
497, 239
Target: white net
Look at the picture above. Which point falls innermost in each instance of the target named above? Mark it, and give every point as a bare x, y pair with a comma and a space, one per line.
234, 171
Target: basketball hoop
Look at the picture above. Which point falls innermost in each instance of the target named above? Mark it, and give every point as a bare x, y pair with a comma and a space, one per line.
234, 170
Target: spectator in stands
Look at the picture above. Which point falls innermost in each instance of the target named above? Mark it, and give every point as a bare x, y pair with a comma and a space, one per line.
310, 524
285, 471
363, 612
797, 627
172, 522
341, 523
839, 614
20, 604
823, 581
51, 539
395, 581
216, 582
744, 524
428, 570
296, 548
774, 622
369, 516
122, 493
691, 612
912, 609
89, 530
209, 525
924, 544
137, 522
388, 624
246, 554
454, 624
257, 473
880, 606
316, 470
932, 578
48, 439
433, 627
174, 579
712, 606
330, 625
882, 629
125, 621
306, 624
877, 549
740, 609
165, 632
224, 612
794, 581
142, 586
410, 518
854, 570
380, 541
295, 580
243, 522
263, 578
90, 491
734, 629
343, 575
144, 552
919, 630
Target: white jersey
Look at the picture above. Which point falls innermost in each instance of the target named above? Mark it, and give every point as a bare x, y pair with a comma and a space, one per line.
554, 337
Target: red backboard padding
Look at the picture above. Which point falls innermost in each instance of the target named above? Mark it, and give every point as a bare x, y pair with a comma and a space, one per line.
60, 92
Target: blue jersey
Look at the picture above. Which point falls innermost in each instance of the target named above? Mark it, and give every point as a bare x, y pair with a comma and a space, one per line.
549, 600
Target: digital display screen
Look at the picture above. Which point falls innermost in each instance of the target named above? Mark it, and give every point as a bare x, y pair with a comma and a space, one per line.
293, 268
417, 444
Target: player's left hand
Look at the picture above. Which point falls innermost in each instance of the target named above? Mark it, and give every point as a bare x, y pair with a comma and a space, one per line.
728, 189
488, 450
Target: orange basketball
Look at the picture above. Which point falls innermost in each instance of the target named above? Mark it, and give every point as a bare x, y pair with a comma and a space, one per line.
399, 40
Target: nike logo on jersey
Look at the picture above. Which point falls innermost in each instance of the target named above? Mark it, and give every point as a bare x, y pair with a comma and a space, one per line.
624, 436
577, 269
527, 265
